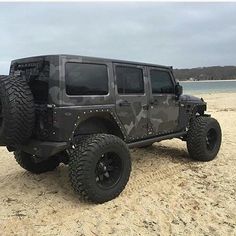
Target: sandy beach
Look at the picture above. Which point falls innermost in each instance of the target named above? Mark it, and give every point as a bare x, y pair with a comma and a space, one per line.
167, 194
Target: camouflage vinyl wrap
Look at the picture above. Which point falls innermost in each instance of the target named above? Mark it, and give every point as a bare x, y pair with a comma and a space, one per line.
145, 116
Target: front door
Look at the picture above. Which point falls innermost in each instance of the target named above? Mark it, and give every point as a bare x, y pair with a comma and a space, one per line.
131, 99
164, 107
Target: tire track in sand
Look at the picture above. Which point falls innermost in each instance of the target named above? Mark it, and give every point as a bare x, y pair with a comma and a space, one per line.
148, 179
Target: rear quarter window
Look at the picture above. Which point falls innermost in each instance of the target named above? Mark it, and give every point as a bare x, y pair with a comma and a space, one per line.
86, 79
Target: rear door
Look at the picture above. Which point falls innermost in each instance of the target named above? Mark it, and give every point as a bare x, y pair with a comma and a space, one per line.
131, 99
164, 107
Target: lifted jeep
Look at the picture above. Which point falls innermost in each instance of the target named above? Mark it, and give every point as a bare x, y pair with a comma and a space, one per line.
87, 112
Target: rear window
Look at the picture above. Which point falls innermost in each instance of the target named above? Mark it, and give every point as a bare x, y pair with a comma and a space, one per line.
32, 70
37, 75
86, 79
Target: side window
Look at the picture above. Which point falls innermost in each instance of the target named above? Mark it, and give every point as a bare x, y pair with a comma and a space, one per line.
86, 79
129, 80
161, 81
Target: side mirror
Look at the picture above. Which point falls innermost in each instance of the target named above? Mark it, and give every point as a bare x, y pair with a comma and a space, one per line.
178, 89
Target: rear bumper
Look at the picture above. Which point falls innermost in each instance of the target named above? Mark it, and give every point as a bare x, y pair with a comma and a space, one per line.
43, 150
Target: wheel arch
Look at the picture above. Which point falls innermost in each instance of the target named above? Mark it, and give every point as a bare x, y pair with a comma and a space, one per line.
189, 112
199, 109
99, 123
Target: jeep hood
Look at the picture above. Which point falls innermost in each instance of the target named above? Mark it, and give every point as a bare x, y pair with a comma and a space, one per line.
190, 98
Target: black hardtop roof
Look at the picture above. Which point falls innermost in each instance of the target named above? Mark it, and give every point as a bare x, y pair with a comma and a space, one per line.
93, 59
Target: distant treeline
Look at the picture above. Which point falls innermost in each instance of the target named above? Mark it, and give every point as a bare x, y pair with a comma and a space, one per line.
206, 73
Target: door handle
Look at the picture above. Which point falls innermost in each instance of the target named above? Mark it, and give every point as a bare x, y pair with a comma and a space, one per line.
124, 103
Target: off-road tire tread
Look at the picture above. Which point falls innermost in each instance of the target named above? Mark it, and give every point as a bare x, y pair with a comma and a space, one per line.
196, 139
79, 165
19, 113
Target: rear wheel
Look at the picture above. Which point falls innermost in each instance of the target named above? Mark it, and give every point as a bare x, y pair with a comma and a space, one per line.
26, 161
99, 167
204, 138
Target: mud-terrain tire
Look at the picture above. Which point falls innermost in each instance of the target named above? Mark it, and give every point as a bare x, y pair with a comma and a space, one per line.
26, 161
204, 138
17, 114
99, 167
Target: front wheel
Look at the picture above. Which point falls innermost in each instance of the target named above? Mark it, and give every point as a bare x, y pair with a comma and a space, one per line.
99, 167
204, 138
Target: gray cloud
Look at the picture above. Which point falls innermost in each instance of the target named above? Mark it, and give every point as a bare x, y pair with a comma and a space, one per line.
178, 34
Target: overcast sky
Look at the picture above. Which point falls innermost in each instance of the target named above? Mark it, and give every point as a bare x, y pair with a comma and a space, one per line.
184, 35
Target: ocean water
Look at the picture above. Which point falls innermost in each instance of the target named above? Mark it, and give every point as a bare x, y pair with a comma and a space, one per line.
196, 87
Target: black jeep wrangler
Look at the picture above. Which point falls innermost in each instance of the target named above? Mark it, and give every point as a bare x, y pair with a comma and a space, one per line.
87, 112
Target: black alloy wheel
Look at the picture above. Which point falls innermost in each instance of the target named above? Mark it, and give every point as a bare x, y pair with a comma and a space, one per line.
108, 170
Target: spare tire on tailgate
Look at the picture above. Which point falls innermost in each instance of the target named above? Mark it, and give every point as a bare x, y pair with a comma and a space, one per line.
17, 114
